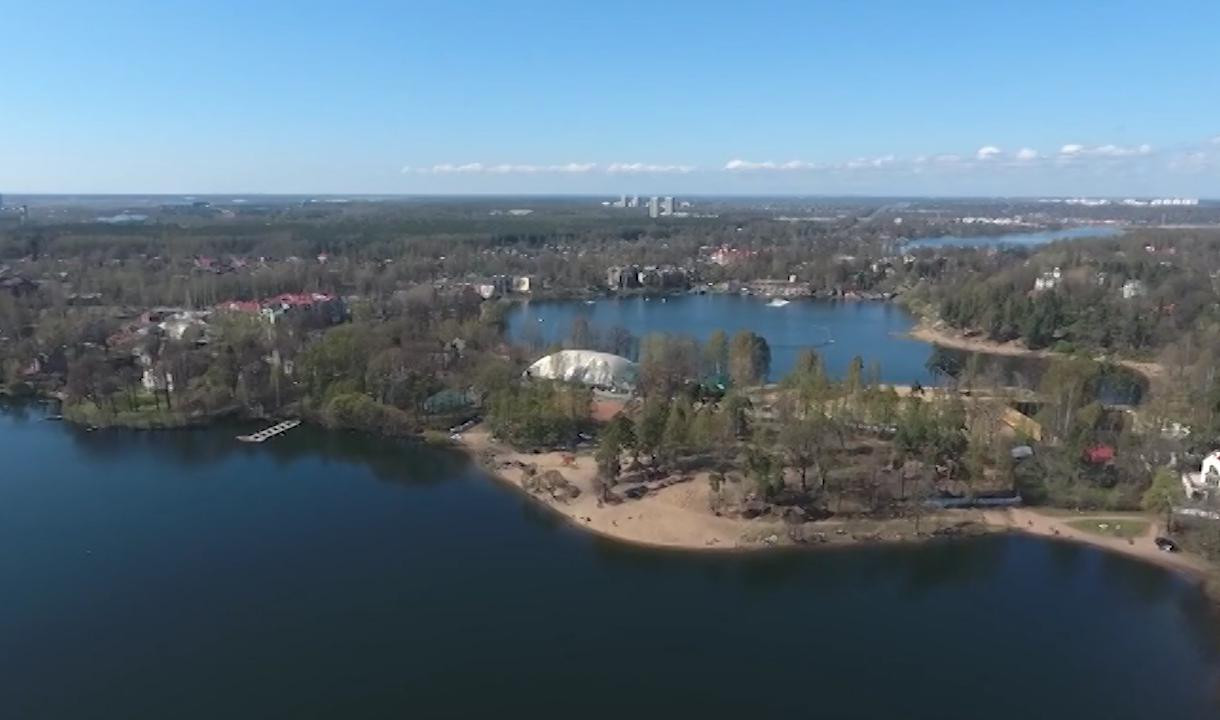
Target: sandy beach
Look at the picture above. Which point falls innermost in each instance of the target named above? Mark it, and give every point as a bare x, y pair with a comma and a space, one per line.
1056, 525
678, 516
675, 517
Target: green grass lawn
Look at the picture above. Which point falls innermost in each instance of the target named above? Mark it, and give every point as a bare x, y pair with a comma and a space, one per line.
1111, 527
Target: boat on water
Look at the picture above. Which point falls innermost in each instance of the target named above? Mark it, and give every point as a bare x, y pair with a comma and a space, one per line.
777, 302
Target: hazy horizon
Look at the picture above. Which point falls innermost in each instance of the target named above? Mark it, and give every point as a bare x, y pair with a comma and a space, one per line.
322, 197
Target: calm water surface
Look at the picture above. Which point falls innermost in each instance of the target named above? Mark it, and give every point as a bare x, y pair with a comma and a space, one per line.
186, 575
1029, 239
838, 331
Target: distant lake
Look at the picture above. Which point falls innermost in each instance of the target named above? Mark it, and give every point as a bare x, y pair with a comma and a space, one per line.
838, 330
185, 575
1015, 239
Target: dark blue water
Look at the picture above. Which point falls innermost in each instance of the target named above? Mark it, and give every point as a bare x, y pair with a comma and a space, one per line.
1031, 239
837, 330
327, 575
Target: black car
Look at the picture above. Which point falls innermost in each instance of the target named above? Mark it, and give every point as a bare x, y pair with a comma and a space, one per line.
1166, 545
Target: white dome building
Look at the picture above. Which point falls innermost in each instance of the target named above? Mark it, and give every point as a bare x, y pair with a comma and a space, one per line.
586, 367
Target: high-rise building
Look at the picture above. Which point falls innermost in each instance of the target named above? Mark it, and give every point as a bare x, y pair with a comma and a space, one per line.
634, 201
667, 206
654, 208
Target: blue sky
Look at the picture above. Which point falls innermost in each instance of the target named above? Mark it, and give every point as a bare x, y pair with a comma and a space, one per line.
980, 98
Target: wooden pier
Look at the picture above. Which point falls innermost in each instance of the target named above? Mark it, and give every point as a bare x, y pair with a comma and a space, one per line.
277, 429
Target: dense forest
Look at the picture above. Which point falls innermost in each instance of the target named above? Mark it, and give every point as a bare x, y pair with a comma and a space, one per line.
1133, 295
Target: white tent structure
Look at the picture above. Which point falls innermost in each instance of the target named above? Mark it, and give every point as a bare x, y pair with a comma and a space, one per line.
586, 367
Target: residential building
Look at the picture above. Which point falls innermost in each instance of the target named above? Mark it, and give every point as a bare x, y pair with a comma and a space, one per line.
327, 308
1133, 289
493, 287
620, 277
1048, 280
1206, 482
725, 255
666, 278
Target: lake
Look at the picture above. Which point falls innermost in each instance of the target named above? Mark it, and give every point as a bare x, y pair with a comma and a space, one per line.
186, 575
1028, 239
838, 330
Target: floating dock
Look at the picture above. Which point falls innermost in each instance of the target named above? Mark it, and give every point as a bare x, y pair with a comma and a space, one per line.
277, 429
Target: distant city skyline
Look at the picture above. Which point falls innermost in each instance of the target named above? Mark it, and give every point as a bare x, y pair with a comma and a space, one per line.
886, 98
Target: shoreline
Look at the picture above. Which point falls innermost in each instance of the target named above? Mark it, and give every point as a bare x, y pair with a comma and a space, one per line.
677, 518
936, 333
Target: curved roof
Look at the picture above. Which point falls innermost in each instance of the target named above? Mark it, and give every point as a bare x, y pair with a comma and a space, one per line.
587, 367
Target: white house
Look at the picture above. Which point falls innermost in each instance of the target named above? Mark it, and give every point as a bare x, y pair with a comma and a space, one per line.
1048, 280
1199, 485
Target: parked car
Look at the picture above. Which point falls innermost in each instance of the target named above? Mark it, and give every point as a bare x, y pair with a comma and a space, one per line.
1164, 544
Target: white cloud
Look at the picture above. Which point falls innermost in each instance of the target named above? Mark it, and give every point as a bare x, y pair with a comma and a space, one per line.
1077, 150
1190, 161
860, 163
988, 152
1202, 157
864, 163
1117, 151
573, 168
631, 168
446, 168
476, 168
988, 158
737, 164
577, 168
